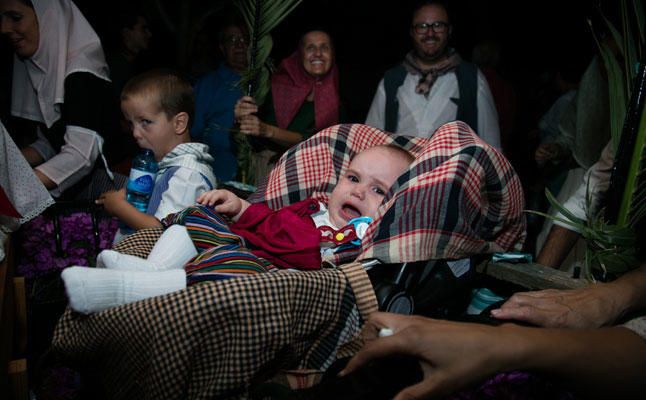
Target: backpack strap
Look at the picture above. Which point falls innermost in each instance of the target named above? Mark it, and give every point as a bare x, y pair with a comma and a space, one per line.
393, 79
467, 75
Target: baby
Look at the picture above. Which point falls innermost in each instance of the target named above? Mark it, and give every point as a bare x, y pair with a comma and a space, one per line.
292, 237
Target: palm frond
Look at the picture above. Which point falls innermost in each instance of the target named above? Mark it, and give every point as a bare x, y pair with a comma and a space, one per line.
270, 14
616, 89
261, 17
633, 207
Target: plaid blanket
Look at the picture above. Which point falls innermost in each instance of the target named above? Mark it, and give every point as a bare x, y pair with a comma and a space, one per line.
213, 340
459, 198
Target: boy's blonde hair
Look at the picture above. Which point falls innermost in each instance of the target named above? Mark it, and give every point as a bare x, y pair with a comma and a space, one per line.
172, 93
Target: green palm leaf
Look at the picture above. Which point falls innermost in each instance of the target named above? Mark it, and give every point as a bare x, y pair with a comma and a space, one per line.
633, 205
260, 22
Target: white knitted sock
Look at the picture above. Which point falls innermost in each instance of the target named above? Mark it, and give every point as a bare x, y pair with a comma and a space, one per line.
173, 249
111, 259
91, 289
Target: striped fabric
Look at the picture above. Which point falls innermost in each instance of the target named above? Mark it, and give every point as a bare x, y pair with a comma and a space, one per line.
221, 253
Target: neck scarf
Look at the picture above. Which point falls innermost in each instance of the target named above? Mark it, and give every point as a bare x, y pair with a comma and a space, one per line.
428, 76
290, 86
67, 44
189, 155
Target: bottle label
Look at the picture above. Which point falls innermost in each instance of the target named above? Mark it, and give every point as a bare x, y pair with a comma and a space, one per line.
141, 181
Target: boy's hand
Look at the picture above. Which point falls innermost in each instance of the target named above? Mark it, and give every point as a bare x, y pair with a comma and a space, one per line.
113, 201
224, 202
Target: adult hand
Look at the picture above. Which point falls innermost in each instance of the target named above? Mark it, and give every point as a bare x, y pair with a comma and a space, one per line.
589, 307
245, 106
252, 125
224, 202
546, 152
452, 355
113, 201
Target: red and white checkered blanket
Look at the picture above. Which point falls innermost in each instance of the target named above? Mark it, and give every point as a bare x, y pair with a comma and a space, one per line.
459, 198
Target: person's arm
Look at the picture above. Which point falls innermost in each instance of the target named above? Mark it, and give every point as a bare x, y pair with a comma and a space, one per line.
453, 355
557, 246
488, 127
593, 306
114, 202
74, 161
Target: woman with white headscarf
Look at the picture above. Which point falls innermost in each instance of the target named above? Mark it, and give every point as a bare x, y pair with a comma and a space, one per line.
61, 93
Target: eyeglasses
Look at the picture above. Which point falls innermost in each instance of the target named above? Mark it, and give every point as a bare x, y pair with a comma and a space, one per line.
437, 27
235, 40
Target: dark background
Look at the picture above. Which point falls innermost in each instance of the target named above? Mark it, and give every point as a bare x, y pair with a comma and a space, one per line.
371, 36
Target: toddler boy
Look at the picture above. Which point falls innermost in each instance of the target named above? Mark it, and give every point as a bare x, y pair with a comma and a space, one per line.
159, 106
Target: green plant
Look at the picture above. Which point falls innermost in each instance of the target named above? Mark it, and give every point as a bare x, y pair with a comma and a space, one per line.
261, 17
611, 248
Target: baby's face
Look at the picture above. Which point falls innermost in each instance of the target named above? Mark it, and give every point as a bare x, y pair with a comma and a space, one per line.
362, 188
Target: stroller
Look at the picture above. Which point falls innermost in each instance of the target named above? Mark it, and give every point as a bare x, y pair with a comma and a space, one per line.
218, 339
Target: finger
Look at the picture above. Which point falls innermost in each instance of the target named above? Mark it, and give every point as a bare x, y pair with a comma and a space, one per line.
378, 348
524, 313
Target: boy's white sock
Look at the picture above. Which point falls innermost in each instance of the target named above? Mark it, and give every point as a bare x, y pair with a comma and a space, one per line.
111, 259
91, 289
173, 249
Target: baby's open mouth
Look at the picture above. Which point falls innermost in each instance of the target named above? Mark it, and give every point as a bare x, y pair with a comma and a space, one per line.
350, 211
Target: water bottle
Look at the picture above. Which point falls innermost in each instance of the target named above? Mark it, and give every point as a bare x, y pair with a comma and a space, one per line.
141, 182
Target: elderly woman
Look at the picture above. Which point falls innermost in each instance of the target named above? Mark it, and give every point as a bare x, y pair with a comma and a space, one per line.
61, 94
304, 99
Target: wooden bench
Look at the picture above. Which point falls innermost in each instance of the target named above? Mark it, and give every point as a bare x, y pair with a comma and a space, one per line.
530, 276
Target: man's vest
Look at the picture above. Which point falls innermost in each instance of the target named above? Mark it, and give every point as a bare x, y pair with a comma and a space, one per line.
467, 75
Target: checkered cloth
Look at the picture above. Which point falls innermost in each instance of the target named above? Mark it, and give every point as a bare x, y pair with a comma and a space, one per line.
216, 339
459, 198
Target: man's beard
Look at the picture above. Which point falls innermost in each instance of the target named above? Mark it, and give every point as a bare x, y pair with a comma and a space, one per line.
428, 57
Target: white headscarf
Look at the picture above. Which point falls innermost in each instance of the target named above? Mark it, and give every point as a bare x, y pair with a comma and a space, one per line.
67, 44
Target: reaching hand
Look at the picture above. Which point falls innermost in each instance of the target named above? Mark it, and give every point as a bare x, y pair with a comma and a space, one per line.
589, 307
452, 355
113, 201
224, 202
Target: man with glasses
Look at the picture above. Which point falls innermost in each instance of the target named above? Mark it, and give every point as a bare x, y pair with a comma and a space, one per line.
216, 94
433, 85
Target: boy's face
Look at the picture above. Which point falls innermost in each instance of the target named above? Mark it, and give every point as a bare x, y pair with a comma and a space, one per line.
362, 188
151, 127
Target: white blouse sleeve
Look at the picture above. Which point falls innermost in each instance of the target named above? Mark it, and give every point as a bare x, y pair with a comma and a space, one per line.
75, 160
